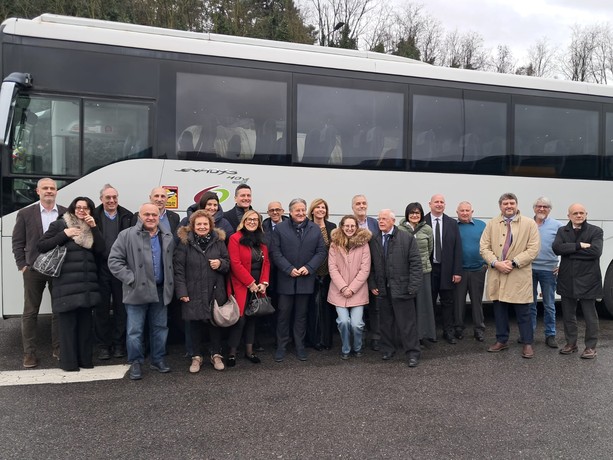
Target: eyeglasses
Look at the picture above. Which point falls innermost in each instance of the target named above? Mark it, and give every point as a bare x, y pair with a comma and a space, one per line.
543, 206
82, 208
275, 210
252, 220
415, 212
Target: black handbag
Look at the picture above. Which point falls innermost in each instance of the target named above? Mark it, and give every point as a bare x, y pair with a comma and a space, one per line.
50, 263
259, 306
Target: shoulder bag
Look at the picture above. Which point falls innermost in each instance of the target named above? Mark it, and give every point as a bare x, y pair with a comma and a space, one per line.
227, 314
50, 263
259, 306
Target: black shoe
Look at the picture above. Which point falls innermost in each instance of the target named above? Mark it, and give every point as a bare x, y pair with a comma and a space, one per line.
253, 358
120, 352
344, 356
374, 345
160, 366
450, 339
318, 347
479, 337
104, 354
231, 361
135, 372
413, 362
301, 354
458, 335
358, 353
387, 356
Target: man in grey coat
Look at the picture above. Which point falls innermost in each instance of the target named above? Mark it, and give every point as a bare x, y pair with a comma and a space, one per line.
141, 258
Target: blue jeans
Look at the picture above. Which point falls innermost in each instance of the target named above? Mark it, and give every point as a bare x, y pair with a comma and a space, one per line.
158, 330
548, 281
350, 319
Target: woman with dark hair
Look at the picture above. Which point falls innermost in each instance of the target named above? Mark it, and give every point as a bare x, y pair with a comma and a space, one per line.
415, 224
349, 263
76, 291
201, 262
249, 273
209, 201
321, 315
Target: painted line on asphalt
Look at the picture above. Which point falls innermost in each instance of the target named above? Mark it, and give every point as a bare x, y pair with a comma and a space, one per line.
43, 376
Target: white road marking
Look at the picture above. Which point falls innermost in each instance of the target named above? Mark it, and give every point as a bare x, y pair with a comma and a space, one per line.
42, 376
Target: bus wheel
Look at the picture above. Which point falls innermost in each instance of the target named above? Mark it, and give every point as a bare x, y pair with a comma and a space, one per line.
607, 299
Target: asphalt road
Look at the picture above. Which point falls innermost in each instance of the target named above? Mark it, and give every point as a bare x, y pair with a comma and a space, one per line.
460, 403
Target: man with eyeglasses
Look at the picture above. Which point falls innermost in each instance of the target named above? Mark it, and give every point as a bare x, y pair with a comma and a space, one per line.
545, 269
275, 216
110, 331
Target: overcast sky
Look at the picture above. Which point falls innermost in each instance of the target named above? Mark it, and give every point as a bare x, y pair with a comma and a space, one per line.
519, 23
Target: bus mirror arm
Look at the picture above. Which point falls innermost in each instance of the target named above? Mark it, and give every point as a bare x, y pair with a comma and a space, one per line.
10, 86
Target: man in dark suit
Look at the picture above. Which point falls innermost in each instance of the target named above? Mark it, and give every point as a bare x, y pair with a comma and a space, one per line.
446, 262
395, 278
242, 197
32, 222
297, 250
110, 331
359, 206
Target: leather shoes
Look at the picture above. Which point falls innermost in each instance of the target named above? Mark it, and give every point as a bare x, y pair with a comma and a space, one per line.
135, 372
279, 355
231, 361
301, 354
479, 337
498, 347
388, 355
104, 354
551, 341
160, 366
458, 335
450, 339
568, 349
374, 345
120, 352
413, 362
30, 360
253, 358
589, 353
527, 352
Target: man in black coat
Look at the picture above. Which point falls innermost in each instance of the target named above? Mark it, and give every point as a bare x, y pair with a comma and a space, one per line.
579, 278
297, 250
110, 331
395, 278
242, 197
446, 262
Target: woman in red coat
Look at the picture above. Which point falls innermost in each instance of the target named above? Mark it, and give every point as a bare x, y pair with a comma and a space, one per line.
249, 273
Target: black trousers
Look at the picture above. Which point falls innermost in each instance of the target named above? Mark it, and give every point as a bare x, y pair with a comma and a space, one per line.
447, 298
288, 304
197, 329
76, 340
399, 315
110, 330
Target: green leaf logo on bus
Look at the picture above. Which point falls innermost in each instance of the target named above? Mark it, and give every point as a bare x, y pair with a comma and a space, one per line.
222, 193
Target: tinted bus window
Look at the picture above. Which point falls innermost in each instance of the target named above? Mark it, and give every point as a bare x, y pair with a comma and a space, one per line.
349, 127
231, 118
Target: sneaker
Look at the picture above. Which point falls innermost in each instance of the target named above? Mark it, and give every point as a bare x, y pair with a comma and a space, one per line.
135, 372
104, 354
589, 353
160, 366
217, 362
344, 356
301, 354
196, 363
551, 341
358, 353
279, 355
30, 360
120, 352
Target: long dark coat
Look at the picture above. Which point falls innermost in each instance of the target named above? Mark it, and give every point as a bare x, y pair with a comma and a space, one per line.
579, 276
452, 250
77, 285
194, 277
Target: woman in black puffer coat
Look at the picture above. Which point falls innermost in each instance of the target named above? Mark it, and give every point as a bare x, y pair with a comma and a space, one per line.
76, 291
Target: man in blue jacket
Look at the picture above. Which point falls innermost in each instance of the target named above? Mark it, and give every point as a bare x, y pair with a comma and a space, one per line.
297, 250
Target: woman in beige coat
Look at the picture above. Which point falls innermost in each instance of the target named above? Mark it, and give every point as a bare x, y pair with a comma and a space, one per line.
349, 265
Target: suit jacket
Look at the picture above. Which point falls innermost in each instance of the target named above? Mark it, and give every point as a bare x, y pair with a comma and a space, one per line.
125, 221
234, 216
27, 232
451, 263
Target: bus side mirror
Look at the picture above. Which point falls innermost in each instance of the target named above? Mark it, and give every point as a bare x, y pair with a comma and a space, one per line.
10, 86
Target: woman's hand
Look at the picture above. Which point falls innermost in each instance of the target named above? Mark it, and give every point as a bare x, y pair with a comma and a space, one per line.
214, 263
347, 293
72, 232
184, 299
89, 220
262, 288
254, 287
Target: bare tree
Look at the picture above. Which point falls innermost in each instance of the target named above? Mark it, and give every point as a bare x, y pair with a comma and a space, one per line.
541, 59
503, 61
577, 63
378, 34
430, 41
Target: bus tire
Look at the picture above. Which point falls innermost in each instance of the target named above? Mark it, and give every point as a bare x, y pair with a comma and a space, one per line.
607, 299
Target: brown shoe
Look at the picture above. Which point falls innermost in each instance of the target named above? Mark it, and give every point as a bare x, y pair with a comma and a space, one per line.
568, 349
527, 352
589, 353
30, 360
217, 362
498, 347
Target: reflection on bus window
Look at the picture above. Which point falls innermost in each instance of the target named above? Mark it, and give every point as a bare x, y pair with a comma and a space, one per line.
555, 141
608, 147
350, 127
231, 118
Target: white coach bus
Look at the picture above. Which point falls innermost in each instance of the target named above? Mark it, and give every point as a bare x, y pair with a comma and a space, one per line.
90, 102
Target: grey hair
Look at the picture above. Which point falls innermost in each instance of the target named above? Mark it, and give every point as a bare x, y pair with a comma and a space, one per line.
106, 187
296, 201
544, 200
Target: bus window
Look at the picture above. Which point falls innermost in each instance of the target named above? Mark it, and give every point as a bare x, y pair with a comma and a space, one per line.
350, 127
43, 143
231, 118
608, 147
113, 131
556, 141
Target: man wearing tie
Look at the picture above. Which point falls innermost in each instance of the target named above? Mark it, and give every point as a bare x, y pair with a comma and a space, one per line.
509, 244
446, 262
395, 277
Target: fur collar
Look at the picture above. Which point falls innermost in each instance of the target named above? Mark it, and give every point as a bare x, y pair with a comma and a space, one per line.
85, 238
184, 234
360, 238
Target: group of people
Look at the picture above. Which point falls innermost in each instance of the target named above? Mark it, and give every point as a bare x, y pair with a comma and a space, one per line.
128, 268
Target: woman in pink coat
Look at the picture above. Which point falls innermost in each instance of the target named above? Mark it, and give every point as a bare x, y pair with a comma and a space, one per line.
349, 264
